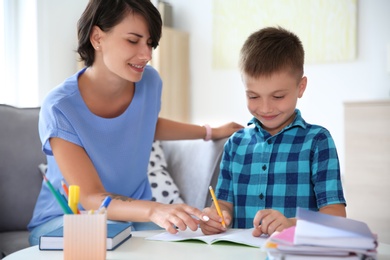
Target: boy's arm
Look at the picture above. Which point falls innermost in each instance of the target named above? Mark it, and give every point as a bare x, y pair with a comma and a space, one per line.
267, 221
326, 176
334, 209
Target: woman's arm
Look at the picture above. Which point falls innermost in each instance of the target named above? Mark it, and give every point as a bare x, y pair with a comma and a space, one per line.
172, 130
77, 169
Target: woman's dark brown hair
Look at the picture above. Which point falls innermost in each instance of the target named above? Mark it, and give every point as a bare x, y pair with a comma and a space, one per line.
108, 13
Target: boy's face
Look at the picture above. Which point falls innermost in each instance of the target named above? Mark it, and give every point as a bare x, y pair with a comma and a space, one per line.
273, 99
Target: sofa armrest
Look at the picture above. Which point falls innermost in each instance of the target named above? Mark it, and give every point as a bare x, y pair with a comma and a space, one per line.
194, 166
20, 155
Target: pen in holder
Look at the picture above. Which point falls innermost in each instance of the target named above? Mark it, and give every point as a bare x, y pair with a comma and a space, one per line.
85, 236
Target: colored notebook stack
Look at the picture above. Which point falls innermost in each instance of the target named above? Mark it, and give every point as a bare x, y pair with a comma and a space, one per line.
322, 236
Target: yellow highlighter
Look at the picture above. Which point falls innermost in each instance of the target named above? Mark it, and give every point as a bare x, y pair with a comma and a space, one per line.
217, 206
74, 197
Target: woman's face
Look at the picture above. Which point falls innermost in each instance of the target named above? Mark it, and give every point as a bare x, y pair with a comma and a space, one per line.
125, 49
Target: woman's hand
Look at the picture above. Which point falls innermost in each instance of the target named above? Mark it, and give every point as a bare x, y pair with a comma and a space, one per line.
225, 130
268, 221
177, 216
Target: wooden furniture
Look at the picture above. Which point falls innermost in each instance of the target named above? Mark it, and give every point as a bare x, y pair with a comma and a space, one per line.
367, 164
171, 59
139, 248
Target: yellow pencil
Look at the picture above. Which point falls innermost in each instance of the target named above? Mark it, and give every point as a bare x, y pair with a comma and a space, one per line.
74, 196
217, 205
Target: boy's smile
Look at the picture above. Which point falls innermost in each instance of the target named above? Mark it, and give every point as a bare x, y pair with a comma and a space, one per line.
273, 99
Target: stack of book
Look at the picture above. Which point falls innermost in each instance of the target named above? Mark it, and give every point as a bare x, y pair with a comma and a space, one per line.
322, 236
117, 234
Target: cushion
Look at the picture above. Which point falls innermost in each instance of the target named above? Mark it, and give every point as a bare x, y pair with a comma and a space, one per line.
20, 153
164, 189
42, 168
194, 165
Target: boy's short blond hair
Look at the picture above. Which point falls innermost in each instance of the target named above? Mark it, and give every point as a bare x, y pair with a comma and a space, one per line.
270, 50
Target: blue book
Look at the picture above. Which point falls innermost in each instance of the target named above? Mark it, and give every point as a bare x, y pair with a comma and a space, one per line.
117, 234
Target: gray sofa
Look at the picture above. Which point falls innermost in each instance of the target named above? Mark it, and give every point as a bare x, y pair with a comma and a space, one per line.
193, 164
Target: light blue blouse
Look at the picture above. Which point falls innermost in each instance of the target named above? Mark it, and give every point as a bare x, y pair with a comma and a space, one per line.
118, 147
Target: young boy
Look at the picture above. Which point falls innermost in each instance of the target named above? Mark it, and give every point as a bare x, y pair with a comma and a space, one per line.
282, 163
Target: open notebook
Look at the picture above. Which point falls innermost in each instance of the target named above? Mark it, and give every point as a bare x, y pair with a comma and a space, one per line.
237, 236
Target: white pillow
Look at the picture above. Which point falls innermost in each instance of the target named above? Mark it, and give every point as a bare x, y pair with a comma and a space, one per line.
164, 189
43, 168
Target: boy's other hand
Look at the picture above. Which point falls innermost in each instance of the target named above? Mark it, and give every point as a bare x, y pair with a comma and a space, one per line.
267, 221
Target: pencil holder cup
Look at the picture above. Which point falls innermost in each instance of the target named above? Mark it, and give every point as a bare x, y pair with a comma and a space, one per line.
85, 236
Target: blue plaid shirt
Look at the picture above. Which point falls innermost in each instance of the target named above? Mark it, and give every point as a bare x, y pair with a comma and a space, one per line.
298, 167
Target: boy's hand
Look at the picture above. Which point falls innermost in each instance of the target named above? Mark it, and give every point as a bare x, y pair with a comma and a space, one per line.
214, 225
267, 221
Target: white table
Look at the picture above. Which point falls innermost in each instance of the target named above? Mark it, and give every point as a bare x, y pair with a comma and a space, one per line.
139, 248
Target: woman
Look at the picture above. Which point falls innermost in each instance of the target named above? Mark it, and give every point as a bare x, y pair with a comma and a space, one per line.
97, 127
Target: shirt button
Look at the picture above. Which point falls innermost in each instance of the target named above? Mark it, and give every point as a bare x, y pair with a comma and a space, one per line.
264, 167
261, 196
269, 141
